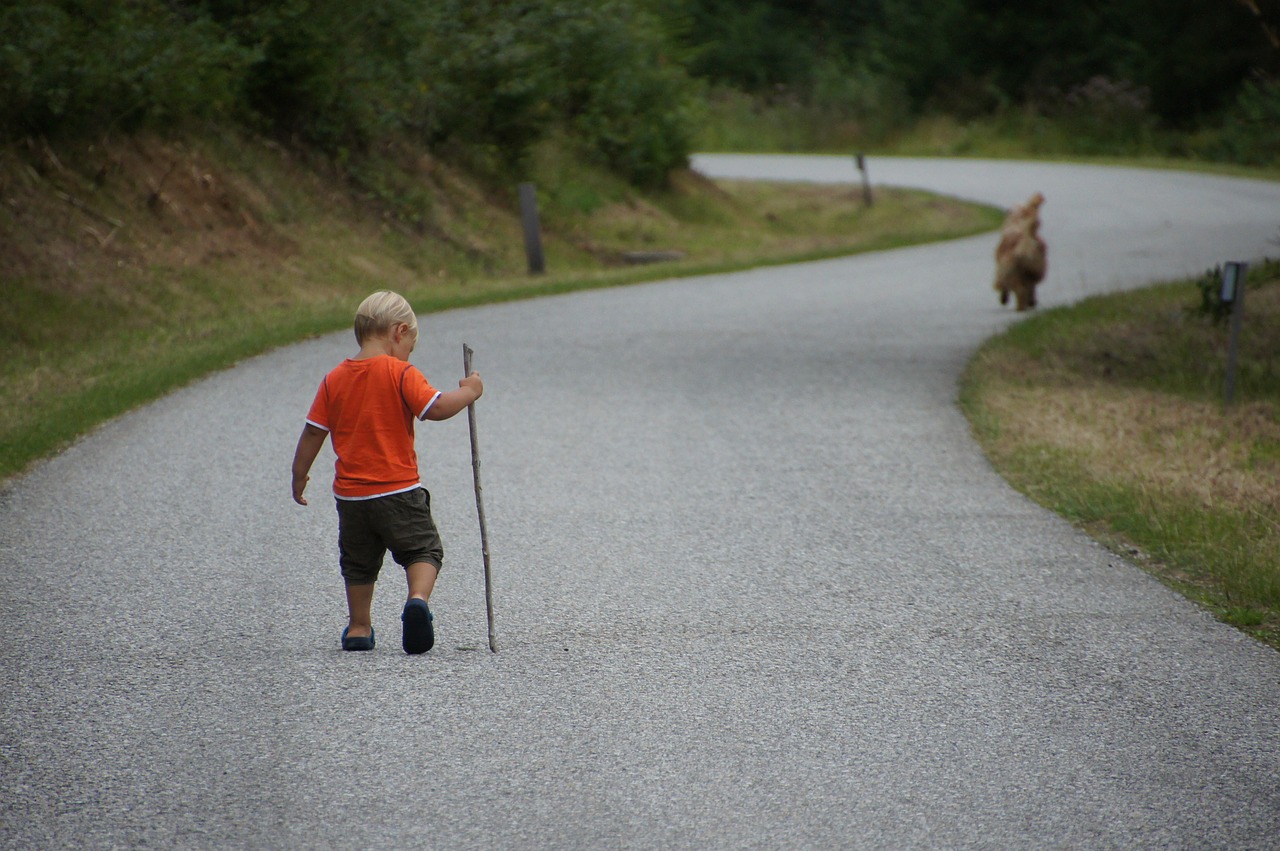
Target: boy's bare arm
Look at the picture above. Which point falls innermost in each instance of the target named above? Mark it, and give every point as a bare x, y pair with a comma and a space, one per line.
447, 404
309, 444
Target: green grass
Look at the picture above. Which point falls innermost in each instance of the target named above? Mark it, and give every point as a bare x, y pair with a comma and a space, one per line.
1112, 413
738, 123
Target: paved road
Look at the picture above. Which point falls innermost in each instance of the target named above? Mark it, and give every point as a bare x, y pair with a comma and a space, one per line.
757, 588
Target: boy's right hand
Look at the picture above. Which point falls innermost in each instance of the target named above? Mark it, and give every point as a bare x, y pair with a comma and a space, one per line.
299, 485
309, 443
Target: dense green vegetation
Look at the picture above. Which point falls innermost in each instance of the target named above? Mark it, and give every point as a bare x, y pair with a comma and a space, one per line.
481, 82
1188, 78
971, 56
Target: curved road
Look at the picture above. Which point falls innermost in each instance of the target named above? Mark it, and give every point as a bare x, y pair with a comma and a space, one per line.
756, 585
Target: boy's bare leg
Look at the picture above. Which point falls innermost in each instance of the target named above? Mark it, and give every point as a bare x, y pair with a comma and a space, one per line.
422, 579
360, 610
418, 635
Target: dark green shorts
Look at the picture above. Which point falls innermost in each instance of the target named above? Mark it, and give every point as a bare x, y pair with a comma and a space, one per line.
401, 523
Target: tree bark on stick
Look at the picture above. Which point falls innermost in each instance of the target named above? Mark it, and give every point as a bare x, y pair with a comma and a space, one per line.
484, 533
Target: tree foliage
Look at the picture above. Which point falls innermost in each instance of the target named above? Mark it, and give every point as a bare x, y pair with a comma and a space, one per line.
488, 77
1193, 57
81, 65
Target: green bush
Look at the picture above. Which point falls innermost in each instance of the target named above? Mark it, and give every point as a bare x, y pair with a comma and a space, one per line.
327, 72
875, 104
1250, 133
1211, 305
499, 79
1103, 116
482, 79
84, 66
628, 103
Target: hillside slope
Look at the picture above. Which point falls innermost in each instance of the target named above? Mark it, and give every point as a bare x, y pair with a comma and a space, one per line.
135, 264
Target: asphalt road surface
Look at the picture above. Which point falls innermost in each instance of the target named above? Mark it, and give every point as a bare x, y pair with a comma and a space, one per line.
756, 585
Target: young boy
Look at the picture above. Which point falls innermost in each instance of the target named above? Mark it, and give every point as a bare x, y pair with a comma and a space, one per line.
367, 405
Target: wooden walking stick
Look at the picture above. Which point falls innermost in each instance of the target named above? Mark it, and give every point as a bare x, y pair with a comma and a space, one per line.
475, 474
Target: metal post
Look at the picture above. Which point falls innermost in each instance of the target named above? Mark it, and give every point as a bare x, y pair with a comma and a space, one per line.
532, 229
1233, 278
866, 183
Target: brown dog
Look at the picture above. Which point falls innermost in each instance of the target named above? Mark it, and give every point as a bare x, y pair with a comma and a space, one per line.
1020, 256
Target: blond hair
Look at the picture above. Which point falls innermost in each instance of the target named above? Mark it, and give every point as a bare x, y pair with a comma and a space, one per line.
381, 312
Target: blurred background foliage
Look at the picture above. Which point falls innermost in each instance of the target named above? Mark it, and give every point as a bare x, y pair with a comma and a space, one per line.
483, 79
635, 85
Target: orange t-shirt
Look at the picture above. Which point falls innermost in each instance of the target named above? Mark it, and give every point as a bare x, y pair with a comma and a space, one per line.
368, 407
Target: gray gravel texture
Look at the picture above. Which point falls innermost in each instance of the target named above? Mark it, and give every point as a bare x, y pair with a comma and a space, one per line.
756, 585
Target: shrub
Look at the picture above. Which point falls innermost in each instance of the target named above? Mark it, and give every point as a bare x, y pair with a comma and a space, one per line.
1251, 131
486, 78
621, 94
1106, 116
1211, 304
874, 103
83, 66
330, 73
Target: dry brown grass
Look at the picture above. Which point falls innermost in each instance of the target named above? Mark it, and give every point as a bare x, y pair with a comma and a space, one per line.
1192, 450
1112, 413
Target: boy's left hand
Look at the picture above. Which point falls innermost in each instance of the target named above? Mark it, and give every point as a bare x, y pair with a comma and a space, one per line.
473, 383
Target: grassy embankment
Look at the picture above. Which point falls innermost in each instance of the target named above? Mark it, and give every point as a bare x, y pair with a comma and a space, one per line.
136, 265
1112, 413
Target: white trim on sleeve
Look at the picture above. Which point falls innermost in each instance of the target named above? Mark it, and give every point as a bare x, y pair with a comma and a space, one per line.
423, 415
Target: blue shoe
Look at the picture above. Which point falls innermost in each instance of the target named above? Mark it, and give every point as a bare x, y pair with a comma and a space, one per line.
419, 636
362, 642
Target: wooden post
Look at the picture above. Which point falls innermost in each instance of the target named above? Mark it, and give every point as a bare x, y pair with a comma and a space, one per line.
532, 229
